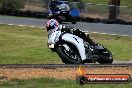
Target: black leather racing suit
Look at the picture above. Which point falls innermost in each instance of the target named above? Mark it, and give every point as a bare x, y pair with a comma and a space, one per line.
53, 6
79, 33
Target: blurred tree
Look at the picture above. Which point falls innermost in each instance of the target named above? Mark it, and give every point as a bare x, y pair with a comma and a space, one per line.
9, 6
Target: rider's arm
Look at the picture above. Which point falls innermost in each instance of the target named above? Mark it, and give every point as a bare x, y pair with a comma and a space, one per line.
69, 29
79, 32
66, 29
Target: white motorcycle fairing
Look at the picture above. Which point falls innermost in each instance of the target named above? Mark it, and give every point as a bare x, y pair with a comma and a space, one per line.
77, 41
53, 36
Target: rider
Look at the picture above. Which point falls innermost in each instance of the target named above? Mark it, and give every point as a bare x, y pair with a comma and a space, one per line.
53, 5
53, 24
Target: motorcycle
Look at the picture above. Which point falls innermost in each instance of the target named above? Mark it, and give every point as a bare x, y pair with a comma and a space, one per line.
62, 13
74, 50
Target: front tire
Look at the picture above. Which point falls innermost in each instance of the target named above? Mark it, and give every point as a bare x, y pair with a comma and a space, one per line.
73, 20
69, 57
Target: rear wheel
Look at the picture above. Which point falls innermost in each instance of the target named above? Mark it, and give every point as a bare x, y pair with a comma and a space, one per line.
105, 57
69, 55
105, 60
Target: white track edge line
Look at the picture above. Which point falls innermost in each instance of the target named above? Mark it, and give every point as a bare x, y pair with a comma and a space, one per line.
84, 31
107, 34
22, 25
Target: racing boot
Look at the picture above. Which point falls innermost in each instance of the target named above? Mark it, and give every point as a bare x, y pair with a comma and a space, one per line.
90, 41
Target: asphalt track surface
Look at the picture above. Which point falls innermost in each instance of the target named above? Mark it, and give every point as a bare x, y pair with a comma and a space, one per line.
125, 30
114, 29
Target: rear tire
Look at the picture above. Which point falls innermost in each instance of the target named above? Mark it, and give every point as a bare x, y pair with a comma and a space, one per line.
105, 58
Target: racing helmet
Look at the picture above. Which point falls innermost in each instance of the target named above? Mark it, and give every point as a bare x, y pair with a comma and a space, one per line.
52, 24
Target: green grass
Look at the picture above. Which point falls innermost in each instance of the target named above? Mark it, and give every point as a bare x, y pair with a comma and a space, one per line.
55, 83
25, 45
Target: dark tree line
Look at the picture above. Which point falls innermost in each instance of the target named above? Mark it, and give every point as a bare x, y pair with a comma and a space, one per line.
9, 6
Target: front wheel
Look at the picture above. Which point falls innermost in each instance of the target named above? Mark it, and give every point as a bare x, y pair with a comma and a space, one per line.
69, 55
73, 20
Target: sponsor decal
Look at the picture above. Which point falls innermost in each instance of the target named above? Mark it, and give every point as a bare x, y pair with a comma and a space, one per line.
83, 78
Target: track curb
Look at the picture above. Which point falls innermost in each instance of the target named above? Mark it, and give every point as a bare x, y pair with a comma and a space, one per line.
54, 66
